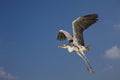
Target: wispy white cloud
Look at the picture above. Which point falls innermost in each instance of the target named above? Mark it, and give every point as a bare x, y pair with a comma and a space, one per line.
113, 52
108, 68
116, 26
5, 75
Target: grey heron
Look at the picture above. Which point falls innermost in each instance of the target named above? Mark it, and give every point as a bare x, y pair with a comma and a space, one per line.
76, 41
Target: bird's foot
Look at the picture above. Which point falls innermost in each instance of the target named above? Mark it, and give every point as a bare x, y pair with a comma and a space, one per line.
90, 69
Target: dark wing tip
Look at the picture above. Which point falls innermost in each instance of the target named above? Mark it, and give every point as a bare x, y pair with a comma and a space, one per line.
92, 18
88, 20
92, 15
61, 36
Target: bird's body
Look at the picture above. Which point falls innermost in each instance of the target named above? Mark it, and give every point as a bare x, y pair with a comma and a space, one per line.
76, 41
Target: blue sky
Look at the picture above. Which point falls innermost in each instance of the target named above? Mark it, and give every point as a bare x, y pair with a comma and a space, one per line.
28, 45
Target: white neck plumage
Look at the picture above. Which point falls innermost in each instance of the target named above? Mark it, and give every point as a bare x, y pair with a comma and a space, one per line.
71, 48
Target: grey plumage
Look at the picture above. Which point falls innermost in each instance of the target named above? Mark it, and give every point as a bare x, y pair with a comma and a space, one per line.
76, 41
79, 25
82, 23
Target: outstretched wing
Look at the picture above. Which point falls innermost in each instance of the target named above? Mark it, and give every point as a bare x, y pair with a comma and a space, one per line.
62, 35
80, 24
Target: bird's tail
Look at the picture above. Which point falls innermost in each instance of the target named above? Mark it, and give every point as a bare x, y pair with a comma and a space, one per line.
89, 68
87, 48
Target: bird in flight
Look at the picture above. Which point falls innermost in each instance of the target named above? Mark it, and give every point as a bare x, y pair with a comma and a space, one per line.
76, 41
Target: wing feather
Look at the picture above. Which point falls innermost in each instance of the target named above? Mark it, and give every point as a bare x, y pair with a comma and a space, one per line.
82, 23
62, 35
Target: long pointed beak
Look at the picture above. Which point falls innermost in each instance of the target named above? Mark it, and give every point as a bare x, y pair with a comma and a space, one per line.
63, 46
